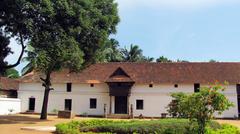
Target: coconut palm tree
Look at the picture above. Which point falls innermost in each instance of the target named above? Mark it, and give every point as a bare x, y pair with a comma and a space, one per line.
31, 59
147, 59
134, 54
110, 52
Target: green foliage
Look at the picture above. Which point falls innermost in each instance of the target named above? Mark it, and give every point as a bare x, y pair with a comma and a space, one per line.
175, 108
225, 129
147, 59
14, 22
69, 128
31, 59
5, 50
12, 73
134, 54
163, 126
163, 59
201, 106
90, 22
110, 52
213, 61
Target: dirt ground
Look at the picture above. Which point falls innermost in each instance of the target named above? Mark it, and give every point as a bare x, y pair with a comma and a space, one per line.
231, 122
11, 124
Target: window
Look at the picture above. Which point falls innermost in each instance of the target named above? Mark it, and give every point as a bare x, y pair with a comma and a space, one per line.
196, 87
91, 85
68, 104
139, 104
238, 98
176, 85
93, 103
150, 85
69, 87
238, 89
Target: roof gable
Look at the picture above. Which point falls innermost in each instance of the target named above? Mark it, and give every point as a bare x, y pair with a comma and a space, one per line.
119, 75
119, 71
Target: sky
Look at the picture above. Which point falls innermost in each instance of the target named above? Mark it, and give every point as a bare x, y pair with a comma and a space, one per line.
193, 30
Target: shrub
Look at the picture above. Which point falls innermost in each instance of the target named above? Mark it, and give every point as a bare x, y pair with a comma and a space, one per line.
156, 126
200, 107
163, 126
225, 129
68, 128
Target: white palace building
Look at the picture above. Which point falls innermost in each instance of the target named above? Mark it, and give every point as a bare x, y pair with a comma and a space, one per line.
142, 88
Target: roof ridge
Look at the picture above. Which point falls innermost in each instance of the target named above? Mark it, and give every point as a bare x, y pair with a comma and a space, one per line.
169, 63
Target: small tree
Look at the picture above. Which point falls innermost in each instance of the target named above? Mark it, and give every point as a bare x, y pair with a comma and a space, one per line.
175, 108
200, 107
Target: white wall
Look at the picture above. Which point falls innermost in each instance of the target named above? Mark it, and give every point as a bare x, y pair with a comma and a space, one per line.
158, 97
8, 104
80, 95
231, 94
155, 99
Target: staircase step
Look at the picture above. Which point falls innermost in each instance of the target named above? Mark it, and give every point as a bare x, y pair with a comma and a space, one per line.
118, 116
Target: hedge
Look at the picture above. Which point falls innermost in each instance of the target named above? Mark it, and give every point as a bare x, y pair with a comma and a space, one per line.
163, 126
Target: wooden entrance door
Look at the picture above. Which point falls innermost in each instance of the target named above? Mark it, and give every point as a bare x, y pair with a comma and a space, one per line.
121, 105
31, 104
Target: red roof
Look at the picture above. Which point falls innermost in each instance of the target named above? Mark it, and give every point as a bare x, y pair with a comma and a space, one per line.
149, 73
8, 84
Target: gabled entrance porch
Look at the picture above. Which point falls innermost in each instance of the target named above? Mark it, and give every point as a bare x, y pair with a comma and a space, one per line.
120, 85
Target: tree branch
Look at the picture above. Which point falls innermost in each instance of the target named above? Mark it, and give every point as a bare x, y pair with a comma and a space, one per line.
21, 54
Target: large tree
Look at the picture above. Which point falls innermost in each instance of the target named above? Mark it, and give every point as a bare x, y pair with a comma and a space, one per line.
14, 23
67, 33
53, 53
90, 22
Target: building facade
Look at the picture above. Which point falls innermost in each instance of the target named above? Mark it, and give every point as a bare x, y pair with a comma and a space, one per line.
138, 89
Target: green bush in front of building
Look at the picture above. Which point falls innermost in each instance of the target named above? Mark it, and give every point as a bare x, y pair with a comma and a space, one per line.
163, 126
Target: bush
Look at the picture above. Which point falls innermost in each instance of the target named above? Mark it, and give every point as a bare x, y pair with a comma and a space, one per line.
163, 126
225, 129
68, 128
171, 126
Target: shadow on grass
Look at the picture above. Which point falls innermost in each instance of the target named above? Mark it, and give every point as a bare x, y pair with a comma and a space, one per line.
16, 119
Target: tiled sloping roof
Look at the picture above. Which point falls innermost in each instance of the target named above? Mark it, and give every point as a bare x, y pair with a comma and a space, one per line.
151, 73
119, 75
8, 84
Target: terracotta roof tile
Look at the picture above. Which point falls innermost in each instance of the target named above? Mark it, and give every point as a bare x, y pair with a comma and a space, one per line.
8, 84
150, 73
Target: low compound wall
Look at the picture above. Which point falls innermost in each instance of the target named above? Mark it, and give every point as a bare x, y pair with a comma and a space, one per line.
9, 106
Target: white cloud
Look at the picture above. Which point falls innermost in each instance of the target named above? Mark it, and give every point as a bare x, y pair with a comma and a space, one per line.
173, 4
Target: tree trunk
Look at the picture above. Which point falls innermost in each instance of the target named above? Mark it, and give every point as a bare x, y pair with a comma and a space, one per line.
20, 56
45, 104
202, 126
46, 84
